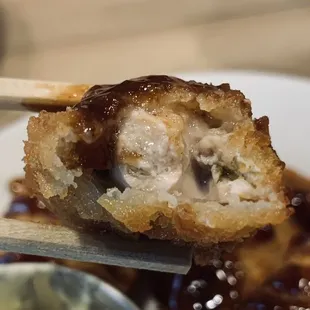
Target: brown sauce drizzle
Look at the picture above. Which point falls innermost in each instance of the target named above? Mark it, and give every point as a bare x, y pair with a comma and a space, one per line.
102, 104
233, 282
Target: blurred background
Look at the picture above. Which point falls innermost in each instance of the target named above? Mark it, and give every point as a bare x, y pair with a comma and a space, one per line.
106, 41
109, 40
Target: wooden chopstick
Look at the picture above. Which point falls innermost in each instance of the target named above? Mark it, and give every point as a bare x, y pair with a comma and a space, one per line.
61, 242
19, 94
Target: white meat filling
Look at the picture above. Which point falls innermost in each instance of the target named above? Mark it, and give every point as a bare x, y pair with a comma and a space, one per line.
149, 160
157, 165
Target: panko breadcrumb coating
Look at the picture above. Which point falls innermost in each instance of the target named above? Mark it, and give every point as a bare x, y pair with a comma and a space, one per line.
158, 156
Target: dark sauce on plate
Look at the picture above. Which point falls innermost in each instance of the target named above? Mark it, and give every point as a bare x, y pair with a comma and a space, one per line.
223, 284
234, 282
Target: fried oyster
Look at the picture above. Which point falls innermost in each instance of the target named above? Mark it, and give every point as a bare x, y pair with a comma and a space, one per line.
161, 157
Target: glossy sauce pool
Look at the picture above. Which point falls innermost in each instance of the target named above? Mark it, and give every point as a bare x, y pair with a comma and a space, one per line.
269, 271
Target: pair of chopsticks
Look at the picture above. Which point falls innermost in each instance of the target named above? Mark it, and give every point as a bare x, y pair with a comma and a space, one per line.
61, 242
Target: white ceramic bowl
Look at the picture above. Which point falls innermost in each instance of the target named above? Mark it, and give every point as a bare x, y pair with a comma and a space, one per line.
39, 286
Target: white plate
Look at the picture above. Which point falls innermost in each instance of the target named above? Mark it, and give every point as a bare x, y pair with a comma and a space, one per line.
282, 98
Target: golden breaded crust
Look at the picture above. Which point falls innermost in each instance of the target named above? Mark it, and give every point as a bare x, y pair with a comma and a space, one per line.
45, 134
99, 107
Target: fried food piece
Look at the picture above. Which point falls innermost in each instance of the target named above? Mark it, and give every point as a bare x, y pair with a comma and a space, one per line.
158, 156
